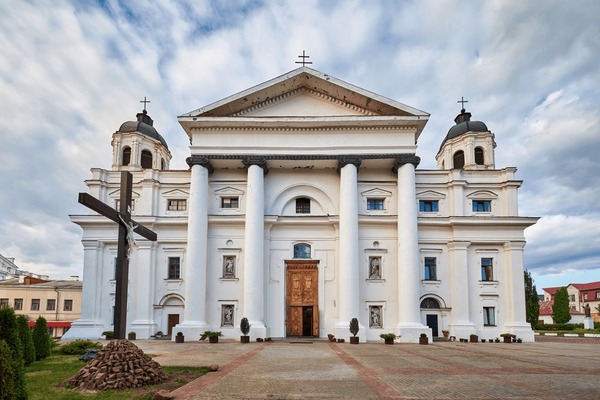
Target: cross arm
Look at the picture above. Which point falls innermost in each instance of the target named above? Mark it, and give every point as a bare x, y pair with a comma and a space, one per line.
96, 205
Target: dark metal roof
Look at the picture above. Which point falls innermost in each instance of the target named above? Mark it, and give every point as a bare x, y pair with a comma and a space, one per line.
464, 125
144, 126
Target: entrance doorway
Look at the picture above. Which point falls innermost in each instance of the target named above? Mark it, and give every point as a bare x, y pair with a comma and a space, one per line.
432, 322
302, 298
173, 319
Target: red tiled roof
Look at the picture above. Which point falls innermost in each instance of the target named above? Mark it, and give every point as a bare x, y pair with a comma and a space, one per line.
587, 286
552, 290
546, 309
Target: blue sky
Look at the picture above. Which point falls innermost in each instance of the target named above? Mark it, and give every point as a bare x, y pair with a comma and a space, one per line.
72, 72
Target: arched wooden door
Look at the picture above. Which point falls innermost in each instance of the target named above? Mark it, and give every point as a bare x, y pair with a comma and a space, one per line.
302, 298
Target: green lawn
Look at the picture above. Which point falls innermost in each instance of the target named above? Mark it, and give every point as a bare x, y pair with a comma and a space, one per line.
46, 380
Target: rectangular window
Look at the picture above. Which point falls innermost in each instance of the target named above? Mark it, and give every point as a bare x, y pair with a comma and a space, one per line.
430, 272
487, 269
598, 295
585, 296
174, 268
428, 205
482, 206
489, 316
18, 304
50, 331
35, 304
177, 205
50, 305
229, 202
68, 306
374, 204
571, 297
118, 205
302, 206
3, 303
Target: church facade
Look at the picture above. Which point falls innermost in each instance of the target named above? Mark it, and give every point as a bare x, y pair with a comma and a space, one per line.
303, 208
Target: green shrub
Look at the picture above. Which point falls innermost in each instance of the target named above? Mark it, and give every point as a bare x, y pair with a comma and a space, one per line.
26, 340
7, 373
78, 347
10, 334
558, 327
354, 327
41, 339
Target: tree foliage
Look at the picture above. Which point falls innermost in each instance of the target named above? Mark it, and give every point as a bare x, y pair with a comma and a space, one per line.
354, 327
7, 373
532, 304
41, 339
560, 308
10, 335
26, 340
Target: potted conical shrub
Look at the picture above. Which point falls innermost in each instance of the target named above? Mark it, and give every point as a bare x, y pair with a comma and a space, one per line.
354, 330
423, 339
245, 328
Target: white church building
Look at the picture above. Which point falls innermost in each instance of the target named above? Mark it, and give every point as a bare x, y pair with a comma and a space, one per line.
303, 208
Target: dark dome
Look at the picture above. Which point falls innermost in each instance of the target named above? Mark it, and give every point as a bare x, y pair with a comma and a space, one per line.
143, 128
464, 125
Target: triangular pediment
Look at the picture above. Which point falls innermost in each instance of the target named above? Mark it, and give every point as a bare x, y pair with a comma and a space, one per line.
285, 96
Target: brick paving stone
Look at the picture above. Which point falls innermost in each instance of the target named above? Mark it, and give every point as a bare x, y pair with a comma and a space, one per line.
560, 369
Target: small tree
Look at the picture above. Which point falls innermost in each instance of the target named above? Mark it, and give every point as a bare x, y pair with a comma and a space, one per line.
354, 326
41, 339
26, 340
560, 309
245, 326
7, 373
532, 303
10, 334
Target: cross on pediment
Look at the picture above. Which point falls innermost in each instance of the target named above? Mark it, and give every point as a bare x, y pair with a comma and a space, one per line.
127, 227
303, 57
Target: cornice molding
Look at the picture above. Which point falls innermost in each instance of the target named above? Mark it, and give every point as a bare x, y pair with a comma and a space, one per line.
297, 91
303, 129
408, 157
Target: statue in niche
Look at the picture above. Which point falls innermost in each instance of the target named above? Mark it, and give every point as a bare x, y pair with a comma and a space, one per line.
227, 315
229, 268
374, 268
375, 317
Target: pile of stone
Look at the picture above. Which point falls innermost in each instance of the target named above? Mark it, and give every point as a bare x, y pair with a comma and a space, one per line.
119, 365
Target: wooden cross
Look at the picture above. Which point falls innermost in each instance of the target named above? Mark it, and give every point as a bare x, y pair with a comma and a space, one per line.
462, 101
126, 228
303, 57
144, 101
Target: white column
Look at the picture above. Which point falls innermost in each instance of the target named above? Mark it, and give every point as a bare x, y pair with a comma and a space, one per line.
90, 325
513, 314
349, 286
254, 260
458, 261
140, 318
409, 318
194, 268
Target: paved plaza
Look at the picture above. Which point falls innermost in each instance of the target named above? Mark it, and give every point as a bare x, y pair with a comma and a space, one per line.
558, 369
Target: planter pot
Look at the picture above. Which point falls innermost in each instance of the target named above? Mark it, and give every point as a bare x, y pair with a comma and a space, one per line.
131, 336
179, 338
423, 340
497, 340
473, 339
507, 339
482, 340
213, 339
353, 339
389, 341
244, 339
446, 334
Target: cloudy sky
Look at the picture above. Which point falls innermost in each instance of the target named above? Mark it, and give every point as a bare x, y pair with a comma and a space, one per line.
72, 71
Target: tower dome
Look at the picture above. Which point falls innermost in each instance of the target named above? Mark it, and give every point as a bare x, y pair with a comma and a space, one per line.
467, 145
137, 145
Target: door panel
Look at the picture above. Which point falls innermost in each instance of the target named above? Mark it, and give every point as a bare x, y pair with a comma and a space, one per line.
302, 295
432, 322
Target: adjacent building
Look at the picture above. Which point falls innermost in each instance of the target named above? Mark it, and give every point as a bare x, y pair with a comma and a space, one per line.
303, 208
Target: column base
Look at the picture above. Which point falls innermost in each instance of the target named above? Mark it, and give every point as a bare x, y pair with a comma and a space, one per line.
462, 329
411, 332
258, 329
522, 330
342, 331
85, 329
192, 330
143, 329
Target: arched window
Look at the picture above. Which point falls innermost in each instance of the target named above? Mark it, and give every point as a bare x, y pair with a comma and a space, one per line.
146, 159
459, 159
302, 250
162, 163
478, 156
126, 155
430, 302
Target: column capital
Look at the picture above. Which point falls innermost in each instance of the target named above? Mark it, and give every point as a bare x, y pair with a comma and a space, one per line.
405, 159
249, 161
345, 160
199, 160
